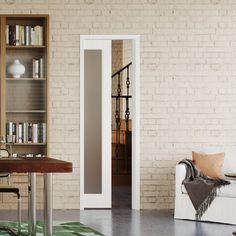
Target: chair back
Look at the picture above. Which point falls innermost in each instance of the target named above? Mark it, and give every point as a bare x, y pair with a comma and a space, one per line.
4, 154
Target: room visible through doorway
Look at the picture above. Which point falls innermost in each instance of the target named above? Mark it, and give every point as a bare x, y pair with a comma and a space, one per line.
121, 123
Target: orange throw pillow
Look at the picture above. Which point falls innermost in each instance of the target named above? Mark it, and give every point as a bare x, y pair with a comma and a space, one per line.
209, 164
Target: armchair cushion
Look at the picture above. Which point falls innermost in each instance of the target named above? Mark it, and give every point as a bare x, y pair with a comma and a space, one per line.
229, 165
209, 164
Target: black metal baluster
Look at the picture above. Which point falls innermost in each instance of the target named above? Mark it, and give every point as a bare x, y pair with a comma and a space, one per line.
118, 123
127, 116
117, 119
127, 143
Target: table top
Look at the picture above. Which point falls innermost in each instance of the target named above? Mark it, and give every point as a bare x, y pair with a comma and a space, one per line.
34, 164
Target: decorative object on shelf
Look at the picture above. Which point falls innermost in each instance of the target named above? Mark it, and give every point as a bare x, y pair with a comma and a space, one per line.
2, 139
11, 139
16, 69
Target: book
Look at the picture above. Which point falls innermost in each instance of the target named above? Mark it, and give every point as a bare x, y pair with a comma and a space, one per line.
7, 34
38, 35
12, 35
13, 128
30, 133
17, 133
20, 133
27, 35
41, 68
22, 35
32, 36
17, 33
10, 128
36, 68
35, 133
44, 139
25, 132
41, 35
36, 38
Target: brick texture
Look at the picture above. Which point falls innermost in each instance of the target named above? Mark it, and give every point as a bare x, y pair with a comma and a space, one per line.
188, 81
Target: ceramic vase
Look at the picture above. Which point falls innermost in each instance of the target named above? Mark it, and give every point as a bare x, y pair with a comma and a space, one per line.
16, 69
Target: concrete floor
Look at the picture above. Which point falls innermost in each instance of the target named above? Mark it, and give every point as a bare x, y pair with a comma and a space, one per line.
121, 197
124, 222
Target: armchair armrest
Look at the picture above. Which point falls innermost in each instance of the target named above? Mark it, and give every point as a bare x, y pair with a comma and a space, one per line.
180, 173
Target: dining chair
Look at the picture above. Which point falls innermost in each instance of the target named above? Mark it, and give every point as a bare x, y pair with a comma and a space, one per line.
8, 188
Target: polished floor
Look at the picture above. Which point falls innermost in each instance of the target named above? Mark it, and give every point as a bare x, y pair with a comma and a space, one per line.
124, 222
121, 197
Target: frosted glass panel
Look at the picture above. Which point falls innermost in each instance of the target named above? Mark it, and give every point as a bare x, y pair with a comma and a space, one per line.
93, 121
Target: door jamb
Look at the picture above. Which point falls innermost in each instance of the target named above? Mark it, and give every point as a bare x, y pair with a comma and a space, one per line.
135, 113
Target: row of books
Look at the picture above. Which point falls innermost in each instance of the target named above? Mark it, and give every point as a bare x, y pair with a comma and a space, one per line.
28, 155
20, 35
38, 68
25, 132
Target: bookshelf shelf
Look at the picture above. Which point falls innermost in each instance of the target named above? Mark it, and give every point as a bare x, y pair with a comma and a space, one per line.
26, 79
25, 47
26, 111
27, 144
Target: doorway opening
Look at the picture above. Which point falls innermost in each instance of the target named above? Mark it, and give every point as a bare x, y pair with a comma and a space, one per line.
113, 163
121, 123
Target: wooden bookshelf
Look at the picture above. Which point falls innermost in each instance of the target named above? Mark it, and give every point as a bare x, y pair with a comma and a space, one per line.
24, 100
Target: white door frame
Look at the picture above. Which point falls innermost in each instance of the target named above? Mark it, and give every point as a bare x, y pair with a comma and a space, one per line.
135, 113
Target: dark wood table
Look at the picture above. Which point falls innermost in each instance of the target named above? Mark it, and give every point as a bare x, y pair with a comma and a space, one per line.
33, 165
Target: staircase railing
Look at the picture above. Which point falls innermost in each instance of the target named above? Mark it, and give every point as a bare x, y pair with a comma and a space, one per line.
120, 95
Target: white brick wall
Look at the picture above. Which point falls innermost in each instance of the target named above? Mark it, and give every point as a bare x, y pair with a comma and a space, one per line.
127, 58
188, 81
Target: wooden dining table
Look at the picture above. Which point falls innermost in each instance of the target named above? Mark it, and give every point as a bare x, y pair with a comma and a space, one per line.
33, 165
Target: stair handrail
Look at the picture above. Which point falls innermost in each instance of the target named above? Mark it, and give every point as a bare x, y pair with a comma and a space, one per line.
119, 71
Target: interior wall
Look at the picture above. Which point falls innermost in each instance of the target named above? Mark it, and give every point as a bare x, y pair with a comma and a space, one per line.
188, 85
127, 58
127, 52
117, 64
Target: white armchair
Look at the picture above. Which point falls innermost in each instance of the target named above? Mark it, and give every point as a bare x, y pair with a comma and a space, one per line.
222, 209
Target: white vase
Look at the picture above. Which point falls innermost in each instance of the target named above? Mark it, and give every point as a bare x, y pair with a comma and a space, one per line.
16, 69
